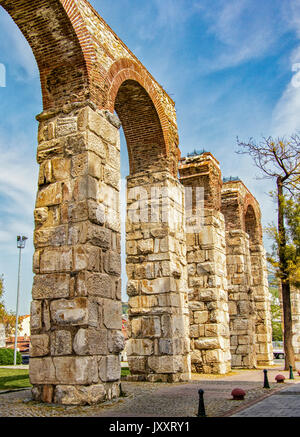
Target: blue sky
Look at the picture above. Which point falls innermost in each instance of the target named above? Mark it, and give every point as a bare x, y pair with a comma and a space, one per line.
232, 67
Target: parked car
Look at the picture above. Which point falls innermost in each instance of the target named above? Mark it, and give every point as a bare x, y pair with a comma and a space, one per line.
25, 359
278, 351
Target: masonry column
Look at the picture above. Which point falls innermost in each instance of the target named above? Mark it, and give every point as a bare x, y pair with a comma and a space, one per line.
158, 348
76, 310
240, 294
262, 303
206, 257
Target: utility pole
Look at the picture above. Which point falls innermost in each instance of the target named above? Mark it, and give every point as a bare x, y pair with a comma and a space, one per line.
21, 241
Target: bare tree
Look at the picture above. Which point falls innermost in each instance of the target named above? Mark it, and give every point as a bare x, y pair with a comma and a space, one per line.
279, 160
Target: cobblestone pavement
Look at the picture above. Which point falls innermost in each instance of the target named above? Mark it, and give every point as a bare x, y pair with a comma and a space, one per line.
163, 400
285, 403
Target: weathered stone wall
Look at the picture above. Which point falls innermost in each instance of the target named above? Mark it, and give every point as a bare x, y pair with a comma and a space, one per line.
86, 74
2, 335
206, 258
241, 300
76, 310
159, 345
262, 301
247, 278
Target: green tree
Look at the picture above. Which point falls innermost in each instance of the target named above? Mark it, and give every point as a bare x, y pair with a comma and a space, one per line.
292, 214
8, 318
277, 333
279, 160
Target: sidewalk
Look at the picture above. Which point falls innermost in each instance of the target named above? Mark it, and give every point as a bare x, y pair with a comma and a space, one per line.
285, 403
144, 399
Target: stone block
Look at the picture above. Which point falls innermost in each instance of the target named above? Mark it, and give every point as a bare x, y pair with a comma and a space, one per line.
158, 286
69, 312
36, 315
112, 314
61, 343
76, 370
166, 364
54, 236
145, 246
110, 368
200, 317
39, 345
139, 347
66, 126
61, 169
212, 356
42, 371
112, 177
95, 144
99, 284
116, 342
132, 288
56, 260
86, 257
52, 286
97, 341
80, 343
79, 395
151, 327
99, 236
171, 346
96, 212
137, 365
112, 263
49, 195
207, 343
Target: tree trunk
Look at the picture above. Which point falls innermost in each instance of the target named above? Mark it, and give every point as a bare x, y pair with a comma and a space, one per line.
285, 283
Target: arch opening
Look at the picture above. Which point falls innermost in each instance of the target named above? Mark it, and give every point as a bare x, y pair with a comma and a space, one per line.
76, 307
251, 225
52, 37
142, 128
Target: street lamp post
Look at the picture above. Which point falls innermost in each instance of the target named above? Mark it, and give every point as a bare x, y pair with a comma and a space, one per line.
20, 245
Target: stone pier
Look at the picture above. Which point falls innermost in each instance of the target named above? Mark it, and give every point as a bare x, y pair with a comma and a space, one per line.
249, 297
159, 345
206, 258
181, 277
76, 309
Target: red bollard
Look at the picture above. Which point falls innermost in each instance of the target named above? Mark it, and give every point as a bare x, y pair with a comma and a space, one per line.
280, 378
238, 394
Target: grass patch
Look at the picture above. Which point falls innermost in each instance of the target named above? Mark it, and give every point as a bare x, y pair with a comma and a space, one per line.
14, 378
19, 378
125, 371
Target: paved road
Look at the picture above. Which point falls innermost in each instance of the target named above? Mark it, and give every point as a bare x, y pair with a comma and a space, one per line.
285, 403
172, 400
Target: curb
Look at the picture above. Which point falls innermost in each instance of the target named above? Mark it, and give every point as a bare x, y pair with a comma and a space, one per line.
14, 390
255, 401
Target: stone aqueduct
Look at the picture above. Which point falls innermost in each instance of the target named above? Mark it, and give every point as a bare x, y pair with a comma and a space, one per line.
198, 299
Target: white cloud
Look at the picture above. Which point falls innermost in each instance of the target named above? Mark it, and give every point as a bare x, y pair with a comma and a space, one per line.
286, 114
16, 49
242, 30
18, 181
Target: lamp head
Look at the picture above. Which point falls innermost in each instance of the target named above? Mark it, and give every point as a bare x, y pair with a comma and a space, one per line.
21, 241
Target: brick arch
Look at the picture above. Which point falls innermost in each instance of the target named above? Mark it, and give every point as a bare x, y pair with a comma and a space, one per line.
126, 73
60, 43
251, 219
